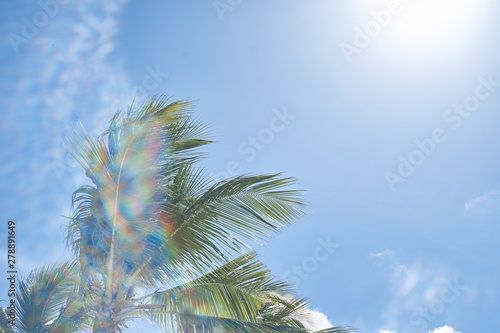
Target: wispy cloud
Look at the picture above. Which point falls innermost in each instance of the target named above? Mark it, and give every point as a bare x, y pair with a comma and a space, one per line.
389, 259
63, 74
385, 253
481, 200
419, 294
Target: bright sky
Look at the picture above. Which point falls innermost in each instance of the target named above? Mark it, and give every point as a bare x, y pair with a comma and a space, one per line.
386, 111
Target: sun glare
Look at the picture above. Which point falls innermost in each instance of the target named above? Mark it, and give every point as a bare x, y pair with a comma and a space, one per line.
429, 22
426, 29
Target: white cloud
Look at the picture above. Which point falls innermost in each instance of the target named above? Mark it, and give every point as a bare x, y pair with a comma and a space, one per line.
317, 321
444, 329
480, 200
311, 319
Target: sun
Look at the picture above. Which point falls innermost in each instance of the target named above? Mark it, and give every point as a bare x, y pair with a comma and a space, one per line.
422, 29
436, 22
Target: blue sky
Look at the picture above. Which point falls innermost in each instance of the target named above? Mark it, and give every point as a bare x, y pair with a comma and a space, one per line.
387, 113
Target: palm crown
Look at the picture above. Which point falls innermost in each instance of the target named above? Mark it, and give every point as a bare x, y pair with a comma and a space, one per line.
154, 237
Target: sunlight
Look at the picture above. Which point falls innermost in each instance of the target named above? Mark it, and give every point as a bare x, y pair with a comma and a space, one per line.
417, 29
425, 23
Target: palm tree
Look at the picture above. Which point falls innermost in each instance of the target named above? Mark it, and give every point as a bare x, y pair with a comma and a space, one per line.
206, 304
5, 326
49, 301
153, 237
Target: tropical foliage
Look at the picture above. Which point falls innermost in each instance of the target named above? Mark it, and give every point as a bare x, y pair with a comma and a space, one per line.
153, 237
5, 327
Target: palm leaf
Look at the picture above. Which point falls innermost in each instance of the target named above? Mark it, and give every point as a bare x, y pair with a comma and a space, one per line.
235, 290
240, 296
5, 326
208, 224
46, 301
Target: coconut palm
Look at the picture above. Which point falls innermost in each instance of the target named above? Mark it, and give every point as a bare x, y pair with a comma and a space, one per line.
206, 304
49, 301
5, 326
153, 237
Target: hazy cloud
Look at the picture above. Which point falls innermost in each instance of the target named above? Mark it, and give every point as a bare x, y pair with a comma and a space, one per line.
417, 293
385, 253
481, 200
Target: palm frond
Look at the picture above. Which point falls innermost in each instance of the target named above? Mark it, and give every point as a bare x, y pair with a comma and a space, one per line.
46, 298
240, 296
221, 218
290, 311
5, 326
236, 290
